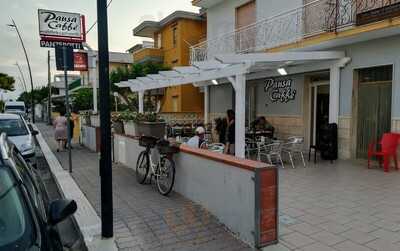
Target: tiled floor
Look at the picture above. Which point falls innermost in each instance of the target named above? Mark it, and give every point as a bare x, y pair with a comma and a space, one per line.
341, 206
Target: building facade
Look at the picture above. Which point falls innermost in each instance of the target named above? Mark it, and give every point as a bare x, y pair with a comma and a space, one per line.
304, 100
172, 38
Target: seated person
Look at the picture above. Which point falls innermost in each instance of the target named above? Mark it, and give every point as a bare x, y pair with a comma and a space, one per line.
261, 124
197, 141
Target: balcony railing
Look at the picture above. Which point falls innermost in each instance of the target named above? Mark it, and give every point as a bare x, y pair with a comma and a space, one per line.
310, 19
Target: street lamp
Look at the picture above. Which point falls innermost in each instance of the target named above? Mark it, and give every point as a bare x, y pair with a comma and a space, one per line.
22, 76
14, 25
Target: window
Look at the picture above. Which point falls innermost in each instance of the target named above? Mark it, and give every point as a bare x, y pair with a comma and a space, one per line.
175, 104
376, 74
174, 36
13, 127
16, 231
158, 41
246, 14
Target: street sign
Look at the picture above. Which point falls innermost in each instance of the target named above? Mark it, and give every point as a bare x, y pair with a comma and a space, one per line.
60, 59
54, 44
80, 61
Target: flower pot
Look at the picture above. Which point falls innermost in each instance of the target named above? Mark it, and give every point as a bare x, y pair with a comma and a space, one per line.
118, 127
155, 129
130, 128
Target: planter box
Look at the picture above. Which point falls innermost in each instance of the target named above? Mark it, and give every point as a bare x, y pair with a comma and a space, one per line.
95, 120
130, 128
155, 129
118, 127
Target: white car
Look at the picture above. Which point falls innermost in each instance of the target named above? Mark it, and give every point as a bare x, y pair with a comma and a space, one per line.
19, 133
15, 107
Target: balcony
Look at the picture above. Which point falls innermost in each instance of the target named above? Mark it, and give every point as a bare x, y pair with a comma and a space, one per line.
295, 25
148, 54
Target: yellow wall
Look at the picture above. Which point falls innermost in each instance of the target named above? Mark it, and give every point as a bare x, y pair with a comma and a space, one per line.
189, 97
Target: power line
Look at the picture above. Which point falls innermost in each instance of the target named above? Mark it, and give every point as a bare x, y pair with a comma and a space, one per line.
94, 24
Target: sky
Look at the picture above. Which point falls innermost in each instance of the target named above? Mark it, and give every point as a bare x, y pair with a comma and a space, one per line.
123, 16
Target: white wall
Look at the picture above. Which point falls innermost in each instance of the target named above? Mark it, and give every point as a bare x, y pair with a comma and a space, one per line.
221, 17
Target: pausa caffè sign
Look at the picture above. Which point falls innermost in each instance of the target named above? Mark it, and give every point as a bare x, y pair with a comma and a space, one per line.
59, 24
280, 90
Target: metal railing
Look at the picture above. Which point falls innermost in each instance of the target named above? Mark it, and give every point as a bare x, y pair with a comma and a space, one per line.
310, 19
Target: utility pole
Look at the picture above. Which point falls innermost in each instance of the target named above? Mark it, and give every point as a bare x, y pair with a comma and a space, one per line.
105, 156
49, 88
14, 25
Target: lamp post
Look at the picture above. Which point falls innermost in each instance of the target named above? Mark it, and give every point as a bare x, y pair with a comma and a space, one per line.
14, 25
22, 76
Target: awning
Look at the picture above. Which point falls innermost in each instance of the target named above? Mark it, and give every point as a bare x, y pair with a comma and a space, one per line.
225, 66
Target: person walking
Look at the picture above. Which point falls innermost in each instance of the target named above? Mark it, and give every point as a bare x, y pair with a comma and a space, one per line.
230, 139
60, 132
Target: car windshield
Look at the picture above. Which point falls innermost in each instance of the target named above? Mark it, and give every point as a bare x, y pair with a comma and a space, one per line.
13, 127
15, 107
16, 226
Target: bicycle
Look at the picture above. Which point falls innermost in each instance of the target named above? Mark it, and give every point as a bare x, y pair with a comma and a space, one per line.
163, 169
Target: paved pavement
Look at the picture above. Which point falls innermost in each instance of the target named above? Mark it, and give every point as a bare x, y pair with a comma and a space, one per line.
342, 206
143, 219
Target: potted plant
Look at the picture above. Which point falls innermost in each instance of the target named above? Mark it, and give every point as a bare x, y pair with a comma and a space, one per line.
128, 119
85, 117
117, 123
150, 124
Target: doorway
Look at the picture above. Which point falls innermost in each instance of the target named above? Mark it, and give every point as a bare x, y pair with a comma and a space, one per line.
374, 106
319, 109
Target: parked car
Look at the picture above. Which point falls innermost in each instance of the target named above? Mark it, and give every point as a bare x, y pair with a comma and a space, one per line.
27, 220
19, 133
15, 107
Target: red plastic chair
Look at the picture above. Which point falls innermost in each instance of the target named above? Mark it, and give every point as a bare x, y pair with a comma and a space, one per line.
384, 150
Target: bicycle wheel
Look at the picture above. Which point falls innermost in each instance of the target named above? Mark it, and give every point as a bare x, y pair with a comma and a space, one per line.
142, 167
165, 176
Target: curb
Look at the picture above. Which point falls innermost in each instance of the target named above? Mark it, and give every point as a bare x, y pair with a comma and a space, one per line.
87, 220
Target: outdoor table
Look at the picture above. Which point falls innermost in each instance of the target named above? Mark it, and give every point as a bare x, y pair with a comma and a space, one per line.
254, 134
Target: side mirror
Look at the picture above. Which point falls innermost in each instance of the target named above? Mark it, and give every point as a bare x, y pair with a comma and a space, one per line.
59, 210
34, 132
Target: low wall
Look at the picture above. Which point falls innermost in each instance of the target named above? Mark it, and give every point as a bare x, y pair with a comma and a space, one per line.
90, 137
242, 194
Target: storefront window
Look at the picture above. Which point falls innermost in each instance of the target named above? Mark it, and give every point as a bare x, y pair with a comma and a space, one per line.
376, 74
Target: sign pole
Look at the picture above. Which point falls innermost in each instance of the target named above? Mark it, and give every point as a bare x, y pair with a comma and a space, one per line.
105, 156
67, 107
49, 87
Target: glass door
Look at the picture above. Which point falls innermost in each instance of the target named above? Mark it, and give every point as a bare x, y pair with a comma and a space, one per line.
319, 109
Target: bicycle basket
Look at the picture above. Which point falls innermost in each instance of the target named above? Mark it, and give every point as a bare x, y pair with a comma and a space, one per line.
147, 141
167, 150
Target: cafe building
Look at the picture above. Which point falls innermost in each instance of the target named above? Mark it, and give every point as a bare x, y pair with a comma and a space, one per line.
301, 102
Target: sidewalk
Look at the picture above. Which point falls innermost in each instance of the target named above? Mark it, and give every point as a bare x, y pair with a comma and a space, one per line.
143, 219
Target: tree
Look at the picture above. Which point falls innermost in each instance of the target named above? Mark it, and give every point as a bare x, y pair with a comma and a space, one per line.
134, 71
82, 99
39, 94
6, 82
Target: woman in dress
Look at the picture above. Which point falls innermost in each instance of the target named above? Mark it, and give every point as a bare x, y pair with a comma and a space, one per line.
60, 133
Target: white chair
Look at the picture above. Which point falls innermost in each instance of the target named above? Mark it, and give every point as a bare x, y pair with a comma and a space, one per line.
294, 146
216, 147
250, 148
271, 151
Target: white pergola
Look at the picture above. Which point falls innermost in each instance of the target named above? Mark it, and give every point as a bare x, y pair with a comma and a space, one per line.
234, 68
